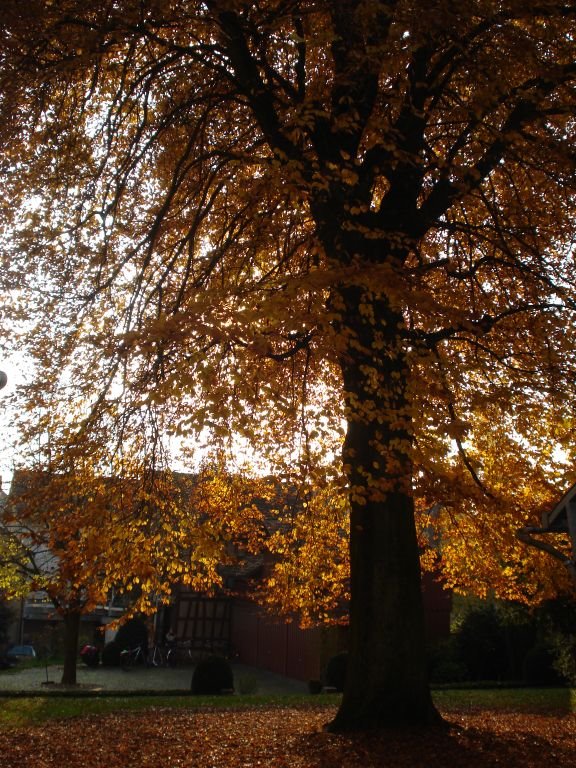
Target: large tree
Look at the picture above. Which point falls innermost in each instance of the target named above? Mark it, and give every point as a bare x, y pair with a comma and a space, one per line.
291, 220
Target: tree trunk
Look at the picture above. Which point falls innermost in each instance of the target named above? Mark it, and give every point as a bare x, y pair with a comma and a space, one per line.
71, 634
387, 675
387, 681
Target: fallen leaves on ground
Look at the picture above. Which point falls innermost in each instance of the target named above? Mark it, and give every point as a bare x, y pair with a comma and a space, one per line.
282, 737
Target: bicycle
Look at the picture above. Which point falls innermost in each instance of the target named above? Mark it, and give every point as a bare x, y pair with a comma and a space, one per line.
180, 652
171, 656
156, 658
129, 657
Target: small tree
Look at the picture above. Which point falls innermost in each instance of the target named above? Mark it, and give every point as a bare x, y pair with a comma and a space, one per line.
78, 536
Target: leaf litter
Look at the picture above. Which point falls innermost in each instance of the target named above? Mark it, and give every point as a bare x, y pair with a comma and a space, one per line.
286, 738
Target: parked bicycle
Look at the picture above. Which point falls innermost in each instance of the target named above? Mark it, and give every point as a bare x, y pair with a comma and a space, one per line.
156, 657
187, 652
179, 653
130, 657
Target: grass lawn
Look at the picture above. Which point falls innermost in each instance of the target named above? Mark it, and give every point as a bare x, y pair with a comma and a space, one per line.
553, 701
23, 711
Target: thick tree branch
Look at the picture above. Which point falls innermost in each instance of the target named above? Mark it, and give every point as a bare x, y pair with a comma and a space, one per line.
528, 108
258, 94
483, 325
526, 535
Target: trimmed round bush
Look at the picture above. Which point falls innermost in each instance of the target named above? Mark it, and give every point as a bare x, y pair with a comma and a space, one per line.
111, 654
212, 676
336, 671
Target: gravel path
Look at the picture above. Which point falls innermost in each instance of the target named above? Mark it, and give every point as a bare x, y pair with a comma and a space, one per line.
246, 679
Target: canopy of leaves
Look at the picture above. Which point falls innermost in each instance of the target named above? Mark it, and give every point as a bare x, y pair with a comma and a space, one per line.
215, 211
81, 538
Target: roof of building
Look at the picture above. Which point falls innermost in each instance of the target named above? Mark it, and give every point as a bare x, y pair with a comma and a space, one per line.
556, 520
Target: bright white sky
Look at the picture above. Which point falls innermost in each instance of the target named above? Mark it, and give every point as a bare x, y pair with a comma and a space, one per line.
14, 369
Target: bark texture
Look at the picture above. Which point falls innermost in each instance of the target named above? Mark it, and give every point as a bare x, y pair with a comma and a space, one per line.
387, 682
71, 633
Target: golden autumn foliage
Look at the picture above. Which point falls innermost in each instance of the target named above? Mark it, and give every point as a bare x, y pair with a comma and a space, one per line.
81, 536
331, 240
83, 539
12, 583
310, 576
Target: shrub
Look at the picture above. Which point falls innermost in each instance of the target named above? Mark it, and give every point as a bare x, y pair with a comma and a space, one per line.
481, 642
445, 662
212, 676
558, 615
111, 654
248, 684
506, 641
132, 634
315, 686
539, 667
336, 671
557, 624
